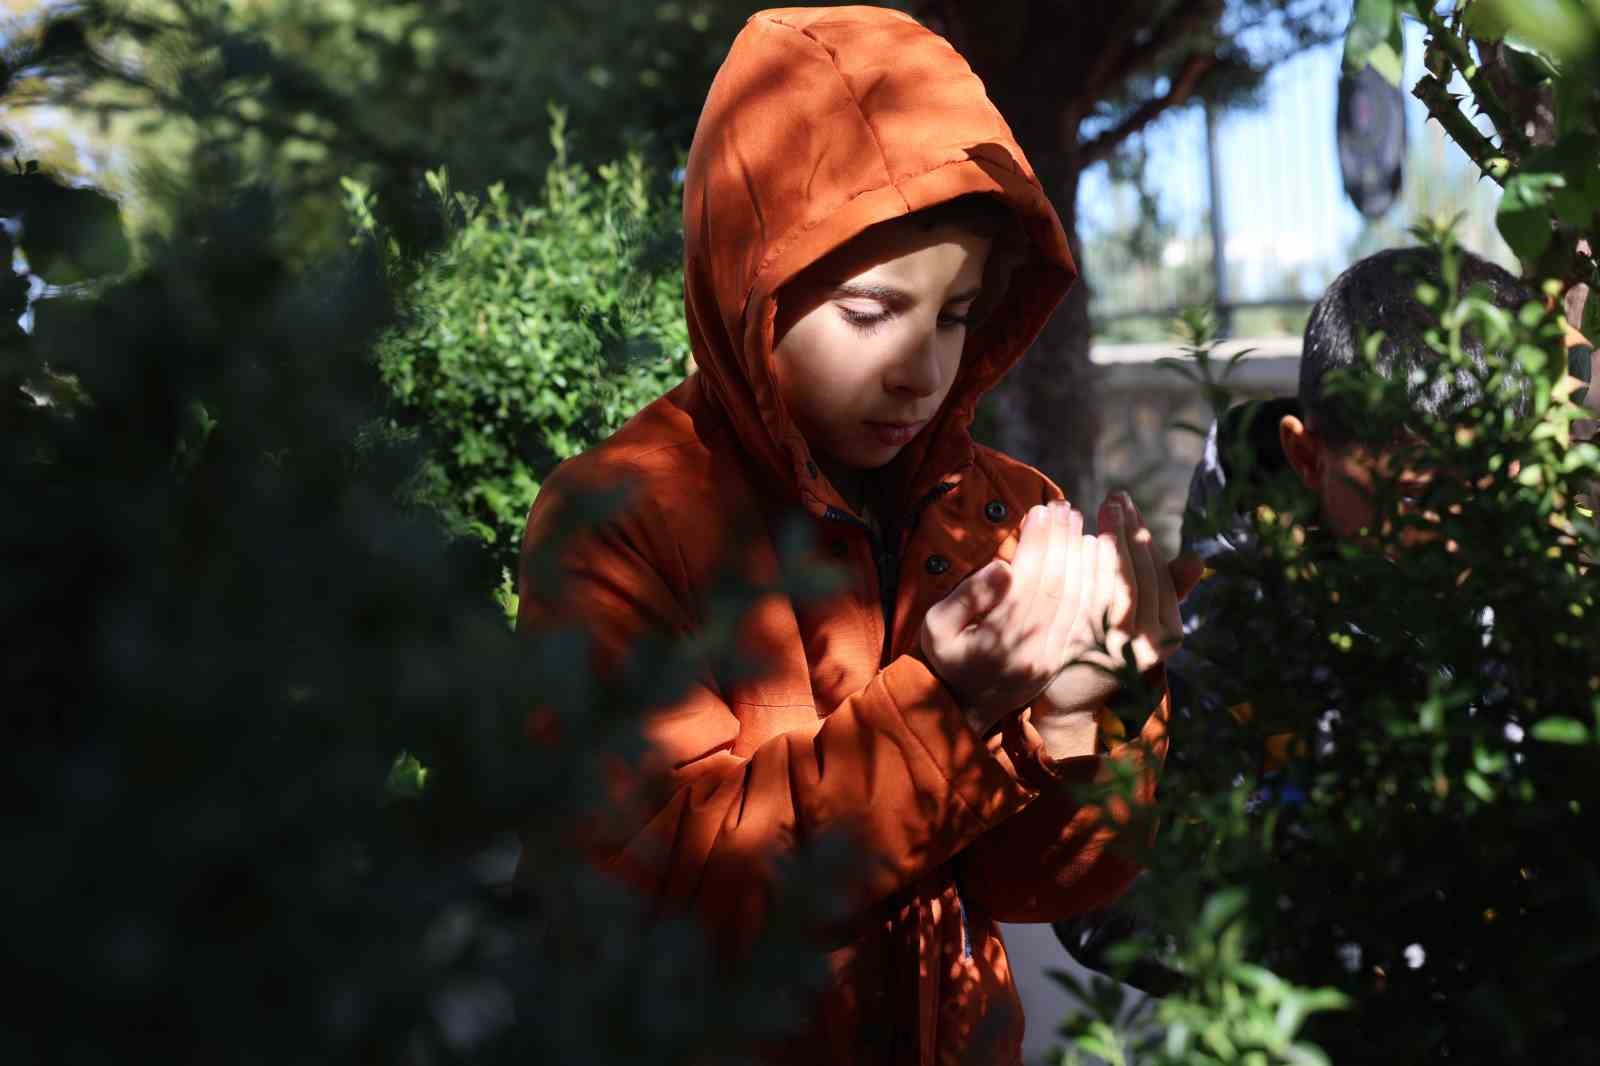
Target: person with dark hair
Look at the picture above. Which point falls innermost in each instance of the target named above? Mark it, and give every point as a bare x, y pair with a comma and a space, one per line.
1341, 449
867, 252
1344, 453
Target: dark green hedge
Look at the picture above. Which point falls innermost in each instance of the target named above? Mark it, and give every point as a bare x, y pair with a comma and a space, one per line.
538, 329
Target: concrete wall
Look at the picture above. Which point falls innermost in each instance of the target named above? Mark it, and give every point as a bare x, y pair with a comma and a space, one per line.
1143, 447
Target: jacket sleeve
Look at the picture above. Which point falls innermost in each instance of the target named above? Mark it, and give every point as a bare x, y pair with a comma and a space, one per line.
1064, 854
1061, 855
895, 767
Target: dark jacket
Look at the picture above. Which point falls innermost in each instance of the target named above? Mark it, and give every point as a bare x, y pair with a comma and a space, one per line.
1241, 456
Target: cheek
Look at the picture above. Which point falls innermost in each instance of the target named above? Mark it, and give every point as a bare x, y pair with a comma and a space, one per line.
816, 367
1346, 503
951, 346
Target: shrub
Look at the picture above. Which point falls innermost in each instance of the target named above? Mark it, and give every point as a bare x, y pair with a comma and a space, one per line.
1426, 857
219, 626
537, 330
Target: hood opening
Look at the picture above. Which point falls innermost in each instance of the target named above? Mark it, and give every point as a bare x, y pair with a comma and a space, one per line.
822, 123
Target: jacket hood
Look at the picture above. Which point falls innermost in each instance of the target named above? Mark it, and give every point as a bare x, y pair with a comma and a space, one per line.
821, 123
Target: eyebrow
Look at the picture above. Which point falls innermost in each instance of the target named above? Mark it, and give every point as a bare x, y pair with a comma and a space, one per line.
887, 294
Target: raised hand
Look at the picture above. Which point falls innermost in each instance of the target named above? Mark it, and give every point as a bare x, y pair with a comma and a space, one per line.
1132, 606
1002, 636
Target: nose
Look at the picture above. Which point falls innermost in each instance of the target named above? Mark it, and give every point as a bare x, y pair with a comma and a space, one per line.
918, 372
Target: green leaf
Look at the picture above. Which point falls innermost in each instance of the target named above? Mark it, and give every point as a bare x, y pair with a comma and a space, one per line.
1573, 100
1560, 731
1375, 39
407, 777
1528, 66
1560, 27
1524, 217
1576, 198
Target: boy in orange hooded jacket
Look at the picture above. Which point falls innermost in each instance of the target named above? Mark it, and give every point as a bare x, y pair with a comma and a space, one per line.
848, 181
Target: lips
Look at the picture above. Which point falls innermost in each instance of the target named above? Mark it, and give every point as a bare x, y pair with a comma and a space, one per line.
895, 434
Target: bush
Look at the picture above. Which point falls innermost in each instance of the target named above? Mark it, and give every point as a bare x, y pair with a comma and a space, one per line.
1427, 857
219, 625
537, 330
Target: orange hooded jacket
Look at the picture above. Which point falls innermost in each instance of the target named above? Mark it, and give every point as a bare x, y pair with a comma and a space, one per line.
821, 123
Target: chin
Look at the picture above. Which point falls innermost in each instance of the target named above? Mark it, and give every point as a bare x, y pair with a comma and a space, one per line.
876, 460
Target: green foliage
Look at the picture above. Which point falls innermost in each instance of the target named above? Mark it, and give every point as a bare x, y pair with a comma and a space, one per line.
1375, 39
309, 92
1231, 1011
1559, 28
1425, 855
68, 234
535, 331
264, 721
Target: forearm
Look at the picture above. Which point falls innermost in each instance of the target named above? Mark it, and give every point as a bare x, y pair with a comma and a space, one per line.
894, 771
1065, 854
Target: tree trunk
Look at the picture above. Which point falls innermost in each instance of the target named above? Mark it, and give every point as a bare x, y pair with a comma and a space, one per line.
1033, 62
1047, 410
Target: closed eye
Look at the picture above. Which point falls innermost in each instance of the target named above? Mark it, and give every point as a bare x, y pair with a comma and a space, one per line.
869, 321
865, 321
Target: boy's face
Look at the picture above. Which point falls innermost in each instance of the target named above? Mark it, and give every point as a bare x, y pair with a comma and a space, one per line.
1349, 479
869, 340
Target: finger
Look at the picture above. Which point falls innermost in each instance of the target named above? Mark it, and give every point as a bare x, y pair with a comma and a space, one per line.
1038, 619
1077, 582
1056, 552
971, 601
1093, 633
1051, 573
1169, 620
1186, 571
1032, 548
1121, 588
1142, 548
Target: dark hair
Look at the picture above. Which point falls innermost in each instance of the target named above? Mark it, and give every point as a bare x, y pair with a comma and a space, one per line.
1378, 295
988, 217
978, 212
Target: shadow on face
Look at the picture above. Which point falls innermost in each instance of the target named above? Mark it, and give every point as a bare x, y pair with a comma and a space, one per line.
869, 340
1350, 479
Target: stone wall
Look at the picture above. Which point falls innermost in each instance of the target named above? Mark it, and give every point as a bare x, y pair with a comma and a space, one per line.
1145, 446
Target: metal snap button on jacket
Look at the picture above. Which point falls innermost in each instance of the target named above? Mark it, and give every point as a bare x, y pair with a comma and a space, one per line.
996, 510
936, 564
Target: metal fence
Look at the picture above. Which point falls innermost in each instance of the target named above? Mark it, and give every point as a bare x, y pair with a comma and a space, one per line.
1287, 225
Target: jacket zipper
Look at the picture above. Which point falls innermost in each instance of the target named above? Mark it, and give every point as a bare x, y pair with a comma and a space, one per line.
966, 930
886, 559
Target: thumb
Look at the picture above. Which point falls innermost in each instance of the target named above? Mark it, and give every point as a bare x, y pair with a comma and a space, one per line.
973, 598
1186, 571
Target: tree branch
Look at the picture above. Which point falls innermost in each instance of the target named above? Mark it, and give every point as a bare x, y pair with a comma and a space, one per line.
1444, 110
1191, 18
1118, 63
1183, 86
1453, 47
1121, 56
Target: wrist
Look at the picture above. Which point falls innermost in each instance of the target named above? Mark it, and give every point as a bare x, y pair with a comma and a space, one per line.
1068, 734
972, 715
